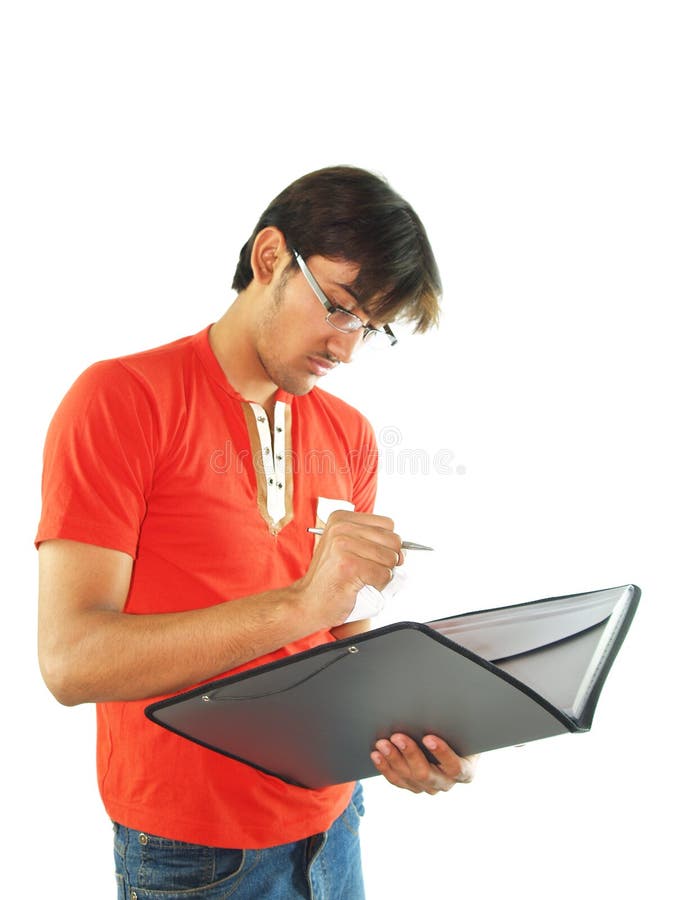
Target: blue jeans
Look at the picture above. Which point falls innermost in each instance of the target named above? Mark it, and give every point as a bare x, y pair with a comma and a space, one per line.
325, 866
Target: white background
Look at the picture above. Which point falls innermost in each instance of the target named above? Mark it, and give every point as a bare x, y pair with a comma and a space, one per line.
142, 140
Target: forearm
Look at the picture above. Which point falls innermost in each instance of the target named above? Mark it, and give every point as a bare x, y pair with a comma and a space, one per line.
350, 629
92, 651
107, 655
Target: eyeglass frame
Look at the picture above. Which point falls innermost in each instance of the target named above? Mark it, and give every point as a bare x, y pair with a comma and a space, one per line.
332, 308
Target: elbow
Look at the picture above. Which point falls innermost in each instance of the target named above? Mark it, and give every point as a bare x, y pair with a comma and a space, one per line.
60, 678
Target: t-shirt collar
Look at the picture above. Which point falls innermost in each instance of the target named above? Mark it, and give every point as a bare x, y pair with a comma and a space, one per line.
216, 373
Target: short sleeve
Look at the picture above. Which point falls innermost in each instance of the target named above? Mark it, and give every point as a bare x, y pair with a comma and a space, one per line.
99, 460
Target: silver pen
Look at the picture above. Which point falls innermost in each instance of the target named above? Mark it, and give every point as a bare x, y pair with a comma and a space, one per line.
406, 545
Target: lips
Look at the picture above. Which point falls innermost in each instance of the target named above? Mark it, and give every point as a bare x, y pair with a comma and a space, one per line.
320, 366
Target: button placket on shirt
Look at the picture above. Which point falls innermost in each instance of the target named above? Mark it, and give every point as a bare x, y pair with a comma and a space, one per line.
273, 463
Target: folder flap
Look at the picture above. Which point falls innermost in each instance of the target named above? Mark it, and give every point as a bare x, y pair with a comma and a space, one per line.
508, 631
313, 718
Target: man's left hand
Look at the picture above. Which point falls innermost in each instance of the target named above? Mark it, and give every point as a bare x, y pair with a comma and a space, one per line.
404, 765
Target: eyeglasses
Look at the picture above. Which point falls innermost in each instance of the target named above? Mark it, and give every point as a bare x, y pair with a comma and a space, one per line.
343, 320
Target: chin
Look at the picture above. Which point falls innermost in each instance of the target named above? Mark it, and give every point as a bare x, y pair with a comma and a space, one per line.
298, 390
294, 380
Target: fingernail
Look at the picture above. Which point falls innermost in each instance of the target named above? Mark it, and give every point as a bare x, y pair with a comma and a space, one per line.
398, 742
430, 743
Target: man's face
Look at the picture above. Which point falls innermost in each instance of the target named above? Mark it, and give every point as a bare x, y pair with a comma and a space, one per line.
296, 346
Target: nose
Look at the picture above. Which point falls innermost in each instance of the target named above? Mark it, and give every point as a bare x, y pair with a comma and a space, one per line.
343, 346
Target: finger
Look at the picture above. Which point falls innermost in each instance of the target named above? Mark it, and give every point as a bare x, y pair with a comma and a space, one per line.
390, 768
369, 534
359, 518
384, 553
370, 573
460, 768
404, 765
378, 529
421, 771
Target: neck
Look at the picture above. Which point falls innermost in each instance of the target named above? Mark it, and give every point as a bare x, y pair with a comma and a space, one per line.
233, 344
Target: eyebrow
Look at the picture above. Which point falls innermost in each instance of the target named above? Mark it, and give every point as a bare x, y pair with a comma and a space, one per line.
360, 305
349, 289
352, 293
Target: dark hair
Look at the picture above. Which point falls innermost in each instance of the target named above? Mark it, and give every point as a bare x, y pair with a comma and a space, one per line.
348, 213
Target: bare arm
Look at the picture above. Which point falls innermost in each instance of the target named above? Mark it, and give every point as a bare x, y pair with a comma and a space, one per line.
349, 629
92, 651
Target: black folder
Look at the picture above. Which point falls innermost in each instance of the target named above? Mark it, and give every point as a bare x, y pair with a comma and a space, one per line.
480, 680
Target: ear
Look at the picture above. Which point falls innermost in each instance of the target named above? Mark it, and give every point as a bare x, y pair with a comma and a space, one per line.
268, 253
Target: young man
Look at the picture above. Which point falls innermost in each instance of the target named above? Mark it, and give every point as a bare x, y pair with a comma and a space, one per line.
178, 488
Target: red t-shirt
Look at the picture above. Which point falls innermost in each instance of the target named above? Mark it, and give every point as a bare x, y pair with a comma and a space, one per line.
157, 455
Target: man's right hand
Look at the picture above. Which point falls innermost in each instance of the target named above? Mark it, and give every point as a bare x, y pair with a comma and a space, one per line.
355, 549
